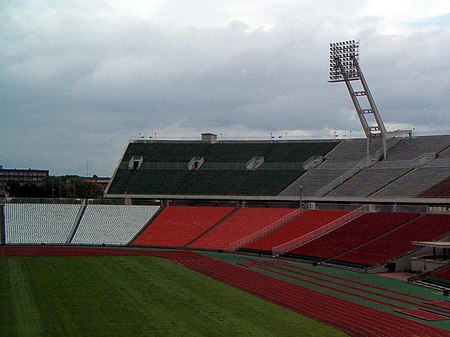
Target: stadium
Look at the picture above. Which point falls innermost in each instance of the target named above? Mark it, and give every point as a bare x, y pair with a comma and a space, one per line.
215, 237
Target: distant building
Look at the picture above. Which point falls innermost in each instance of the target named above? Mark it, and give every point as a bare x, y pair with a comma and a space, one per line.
22, 176
102, 183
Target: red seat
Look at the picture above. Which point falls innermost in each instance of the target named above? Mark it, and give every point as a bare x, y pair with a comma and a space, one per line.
178, 225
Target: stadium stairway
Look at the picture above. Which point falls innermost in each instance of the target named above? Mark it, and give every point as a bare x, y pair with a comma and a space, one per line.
245, 222
158, 212
229, 215
178, 225
76, 222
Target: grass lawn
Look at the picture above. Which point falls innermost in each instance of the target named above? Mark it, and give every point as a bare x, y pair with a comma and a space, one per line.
133, 296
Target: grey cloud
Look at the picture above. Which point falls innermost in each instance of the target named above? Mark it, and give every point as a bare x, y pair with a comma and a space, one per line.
80, 84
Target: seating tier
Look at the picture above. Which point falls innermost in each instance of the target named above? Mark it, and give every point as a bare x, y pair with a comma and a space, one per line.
241, 224
303, 224
427, 227
367, 182
441, 190
415, 182
112, 224
165, 167
39, 223
176, 226
353, 234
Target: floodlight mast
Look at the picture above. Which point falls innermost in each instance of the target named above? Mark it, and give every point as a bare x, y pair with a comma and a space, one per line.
344, 67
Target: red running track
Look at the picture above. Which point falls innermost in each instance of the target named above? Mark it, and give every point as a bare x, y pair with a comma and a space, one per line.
352, 318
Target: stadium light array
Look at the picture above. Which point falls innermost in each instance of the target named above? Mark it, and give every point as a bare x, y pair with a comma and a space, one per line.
343, 60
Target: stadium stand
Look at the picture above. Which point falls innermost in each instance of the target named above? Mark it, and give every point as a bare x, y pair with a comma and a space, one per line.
353, 234
112, 224
235, 152
211, 182
445, 153
241, 224
303, 224
2, 225
265, 182
352, 150
164, 151
176, 226
415, 182
441, 190
148, 181
440, 277
39, 223
310, 182
367, 181
409, 149
164, 167
427, 227
299, 151
343, 157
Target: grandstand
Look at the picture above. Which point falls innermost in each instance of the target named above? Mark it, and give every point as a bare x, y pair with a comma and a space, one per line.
242, 223
111, 224
218, 168
303, 224
355, 233
177, 226
439, 277
398, 242
39, 223
440, 190
327, 168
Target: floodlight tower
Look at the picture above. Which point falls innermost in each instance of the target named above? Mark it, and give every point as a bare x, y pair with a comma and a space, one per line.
344, 67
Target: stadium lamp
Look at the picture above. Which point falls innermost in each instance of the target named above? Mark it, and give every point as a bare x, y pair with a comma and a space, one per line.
343, 61
344, 67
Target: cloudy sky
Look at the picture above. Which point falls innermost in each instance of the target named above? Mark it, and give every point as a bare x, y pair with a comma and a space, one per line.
78, 79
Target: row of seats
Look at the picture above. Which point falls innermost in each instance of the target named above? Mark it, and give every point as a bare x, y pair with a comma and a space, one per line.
227, 152
112, 224
54, 223
440, 277
178, 226
441, 190
243, 223
165, 169
303, 224
415, 182
370, 239
224, 169
367, 181
39, 223
409, 149
205, 182
353, 234
429, 227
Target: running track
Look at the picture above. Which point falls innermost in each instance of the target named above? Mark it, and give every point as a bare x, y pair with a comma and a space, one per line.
352, 318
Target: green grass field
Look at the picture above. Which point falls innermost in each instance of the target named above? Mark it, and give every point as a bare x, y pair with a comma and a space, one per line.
133, 296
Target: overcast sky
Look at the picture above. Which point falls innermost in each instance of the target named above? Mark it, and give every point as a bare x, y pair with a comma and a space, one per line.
78, 79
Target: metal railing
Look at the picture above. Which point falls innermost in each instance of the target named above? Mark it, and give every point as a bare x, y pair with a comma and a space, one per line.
312, 162
362, 164
266, 230
407, 163
293, 244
